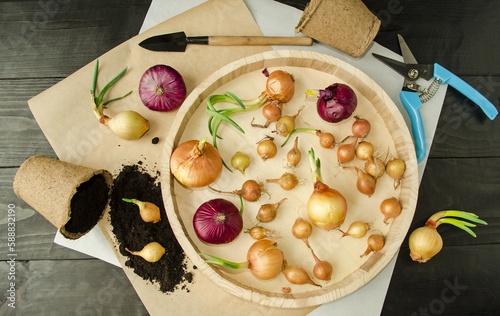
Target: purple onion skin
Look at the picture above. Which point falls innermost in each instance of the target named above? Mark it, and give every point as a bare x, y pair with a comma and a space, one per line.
217, 222
336, 102
162, 88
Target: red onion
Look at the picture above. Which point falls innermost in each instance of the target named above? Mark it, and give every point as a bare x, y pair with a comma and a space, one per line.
217, 221
162, 88
336, 102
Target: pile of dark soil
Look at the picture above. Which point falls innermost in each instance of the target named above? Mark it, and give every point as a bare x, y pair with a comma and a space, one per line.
131, 232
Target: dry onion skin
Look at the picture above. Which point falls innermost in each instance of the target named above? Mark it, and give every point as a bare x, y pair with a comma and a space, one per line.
196, 163
425, 242
149, 212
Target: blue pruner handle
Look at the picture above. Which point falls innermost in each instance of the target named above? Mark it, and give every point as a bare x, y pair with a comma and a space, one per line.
450, 78
411, 102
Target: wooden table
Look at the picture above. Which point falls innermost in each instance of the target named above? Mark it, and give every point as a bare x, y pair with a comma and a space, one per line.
45, 41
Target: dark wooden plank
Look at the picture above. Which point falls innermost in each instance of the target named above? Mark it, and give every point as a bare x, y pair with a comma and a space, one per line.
20, 134
55, 38
69, 287
457, 281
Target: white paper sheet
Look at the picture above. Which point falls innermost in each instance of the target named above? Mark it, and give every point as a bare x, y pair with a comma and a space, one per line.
277, 19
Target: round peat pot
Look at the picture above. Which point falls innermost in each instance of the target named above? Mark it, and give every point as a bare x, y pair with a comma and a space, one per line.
72, 197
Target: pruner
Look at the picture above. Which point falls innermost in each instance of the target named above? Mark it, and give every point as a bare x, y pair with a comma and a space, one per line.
413, 95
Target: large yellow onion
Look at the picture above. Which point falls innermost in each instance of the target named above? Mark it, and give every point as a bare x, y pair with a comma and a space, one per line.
425, 242
326, 207
196, 163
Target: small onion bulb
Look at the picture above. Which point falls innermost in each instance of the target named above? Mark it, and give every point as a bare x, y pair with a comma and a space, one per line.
128, 125
152, 252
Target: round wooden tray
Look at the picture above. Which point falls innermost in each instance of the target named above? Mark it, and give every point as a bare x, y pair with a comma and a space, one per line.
389, 134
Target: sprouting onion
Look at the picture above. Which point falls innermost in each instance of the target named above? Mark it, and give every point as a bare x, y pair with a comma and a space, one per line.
326, 207
280, 87
425, 242
128, 125
264, 260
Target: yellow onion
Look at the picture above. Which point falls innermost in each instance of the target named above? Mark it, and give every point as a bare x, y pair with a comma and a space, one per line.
196, 163
280, 86
152, 252
128, 125
264, 260
425, 242
149, 212
326, 207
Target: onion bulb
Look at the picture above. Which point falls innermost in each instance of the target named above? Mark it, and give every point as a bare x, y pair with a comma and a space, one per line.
217, 221
297, 275
294, 155
250, 190
258, 232
152, 252
280, 85
268, 212
375, 167
240, 161
375, 243
364, 150
322, 269
271, 112
425, 242
128, 125
326, 140
361, 127
149, 212
287, 181
264, 260
395, 168
335, 103
266, 148
357, 229
347, 152
302, 229
286, 124
390, 208
196, 163
162, 88
365, 183
326, 207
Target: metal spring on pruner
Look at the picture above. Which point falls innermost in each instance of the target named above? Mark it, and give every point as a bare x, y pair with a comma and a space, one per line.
430, 91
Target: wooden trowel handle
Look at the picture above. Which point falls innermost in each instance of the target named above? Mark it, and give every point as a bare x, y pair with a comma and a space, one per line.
258, 40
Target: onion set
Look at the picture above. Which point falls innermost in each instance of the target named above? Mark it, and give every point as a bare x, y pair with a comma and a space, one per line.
266, 148
425, 242
390, 208
297, 275
128, 125
326, 140
149, 212
268, 212
357, 229
287, 181
218, 221
395, 168
152, 252
294, 155
196, 163
250, 190
335, 103
326, 207
162, 88
240, 161
375, 243
264, 260
258, 232
286, 124
361, 127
